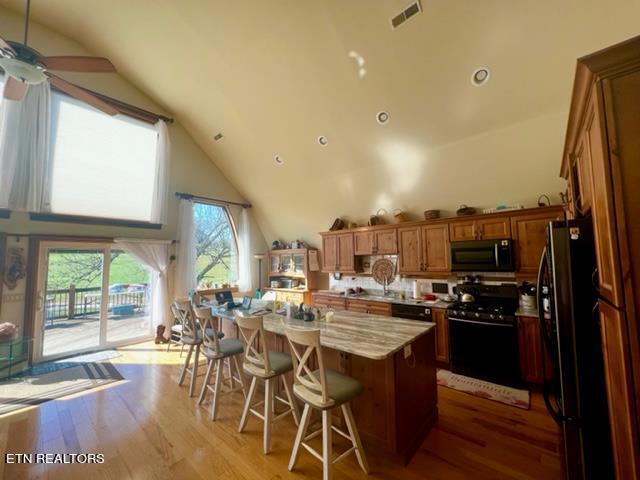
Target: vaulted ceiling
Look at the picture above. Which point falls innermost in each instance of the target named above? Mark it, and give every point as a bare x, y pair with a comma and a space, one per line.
273, 75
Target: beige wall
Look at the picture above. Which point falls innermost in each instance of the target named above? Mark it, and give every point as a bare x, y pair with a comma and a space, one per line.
191, 169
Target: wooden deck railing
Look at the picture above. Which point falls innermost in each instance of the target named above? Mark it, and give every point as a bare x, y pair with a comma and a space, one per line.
75, 302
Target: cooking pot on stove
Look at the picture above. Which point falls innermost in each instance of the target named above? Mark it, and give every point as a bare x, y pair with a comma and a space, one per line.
467, 298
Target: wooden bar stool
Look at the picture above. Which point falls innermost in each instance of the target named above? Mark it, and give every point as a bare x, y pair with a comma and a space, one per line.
265, 365
175, 333
192, 337
217, 351
324, 390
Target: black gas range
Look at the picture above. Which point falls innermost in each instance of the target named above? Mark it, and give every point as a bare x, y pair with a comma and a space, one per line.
483, 333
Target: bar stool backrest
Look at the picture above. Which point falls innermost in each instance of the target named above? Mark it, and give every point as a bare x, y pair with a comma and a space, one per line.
187, 318
252, 335
208, 326
305, 345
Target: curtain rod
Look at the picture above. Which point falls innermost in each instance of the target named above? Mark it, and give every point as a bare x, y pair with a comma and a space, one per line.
190, 196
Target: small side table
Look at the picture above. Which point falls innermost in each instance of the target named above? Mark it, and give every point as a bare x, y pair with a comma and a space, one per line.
14, 356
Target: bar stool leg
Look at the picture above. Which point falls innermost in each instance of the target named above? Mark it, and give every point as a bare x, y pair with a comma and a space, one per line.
240, 376
327, 446
302, 431
216, 388
186, 366
247, 405
268, 414
207, 376
294, 406
194, 371
355, 437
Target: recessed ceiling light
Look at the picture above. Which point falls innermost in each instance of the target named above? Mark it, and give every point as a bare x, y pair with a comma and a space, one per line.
480, 76
279, 160
323, 141
382, 117
218, 136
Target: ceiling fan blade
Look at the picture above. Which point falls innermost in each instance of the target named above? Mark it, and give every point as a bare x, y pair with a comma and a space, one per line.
5, 46
78, 64
15, 89
81, 94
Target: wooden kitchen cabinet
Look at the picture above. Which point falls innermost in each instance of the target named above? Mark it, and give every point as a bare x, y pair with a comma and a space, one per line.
442, 334
376, 242
530, 350
462, 230
410, 257
338, 253
367, 306
329, 301
493, 228
480, 229
329, 253
620, 388
386, 241
435, 248
529, 232
363, 243
346, 260
602, 132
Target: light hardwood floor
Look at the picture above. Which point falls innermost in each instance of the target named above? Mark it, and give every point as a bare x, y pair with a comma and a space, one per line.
148, 427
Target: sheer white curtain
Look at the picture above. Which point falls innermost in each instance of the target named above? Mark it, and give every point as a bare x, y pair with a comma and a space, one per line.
24, 150
186, 252
245, 280
160, 186
155, 255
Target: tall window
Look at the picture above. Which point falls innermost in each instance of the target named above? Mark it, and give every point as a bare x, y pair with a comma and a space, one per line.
216, 245
103, 166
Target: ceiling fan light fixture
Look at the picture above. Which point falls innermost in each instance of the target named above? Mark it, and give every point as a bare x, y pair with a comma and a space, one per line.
25, 72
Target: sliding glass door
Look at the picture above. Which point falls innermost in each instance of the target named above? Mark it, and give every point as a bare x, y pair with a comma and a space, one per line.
90, 296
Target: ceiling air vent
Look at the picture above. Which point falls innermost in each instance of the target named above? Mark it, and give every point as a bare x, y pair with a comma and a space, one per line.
405, 15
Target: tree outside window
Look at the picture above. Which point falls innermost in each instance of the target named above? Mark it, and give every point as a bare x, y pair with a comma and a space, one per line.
216, 247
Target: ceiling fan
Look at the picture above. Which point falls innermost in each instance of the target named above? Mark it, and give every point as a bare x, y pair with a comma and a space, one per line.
25, 66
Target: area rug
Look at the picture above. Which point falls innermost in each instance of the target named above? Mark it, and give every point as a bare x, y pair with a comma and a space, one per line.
34, 389
67, 362
514, 397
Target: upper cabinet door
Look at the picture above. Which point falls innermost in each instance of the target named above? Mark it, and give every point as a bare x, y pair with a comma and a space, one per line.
346, 260
410, 257
363, 243
329, 253
465, 230
582, 157
274, 264
435, 248
530, 233
604, 220
492, 228
386, 241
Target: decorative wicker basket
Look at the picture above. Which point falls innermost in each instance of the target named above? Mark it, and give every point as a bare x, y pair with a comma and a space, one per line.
399, 216
431, 214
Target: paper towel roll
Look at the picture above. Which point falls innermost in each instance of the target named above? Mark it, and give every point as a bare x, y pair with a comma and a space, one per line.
416, 289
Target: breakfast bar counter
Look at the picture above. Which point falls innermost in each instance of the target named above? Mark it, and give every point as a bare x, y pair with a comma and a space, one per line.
393, 358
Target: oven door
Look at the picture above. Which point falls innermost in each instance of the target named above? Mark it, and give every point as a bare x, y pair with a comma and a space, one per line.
484, 350
482, 256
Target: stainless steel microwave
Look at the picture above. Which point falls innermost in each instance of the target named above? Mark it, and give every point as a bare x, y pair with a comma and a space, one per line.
482, 256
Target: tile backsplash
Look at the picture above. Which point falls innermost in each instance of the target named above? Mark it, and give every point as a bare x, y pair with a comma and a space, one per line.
403, 284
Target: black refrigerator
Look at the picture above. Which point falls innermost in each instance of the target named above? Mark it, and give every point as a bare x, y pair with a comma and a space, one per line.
575, 391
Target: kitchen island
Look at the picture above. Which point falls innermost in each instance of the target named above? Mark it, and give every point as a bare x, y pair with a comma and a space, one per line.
394, 358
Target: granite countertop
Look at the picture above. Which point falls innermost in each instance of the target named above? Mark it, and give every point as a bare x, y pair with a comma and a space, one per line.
383, 299
371, 336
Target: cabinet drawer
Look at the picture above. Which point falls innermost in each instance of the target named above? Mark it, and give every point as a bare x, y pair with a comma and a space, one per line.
329, 302
364, 306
